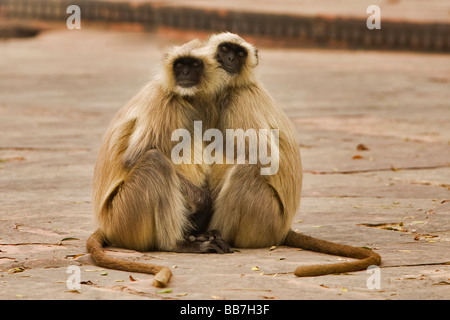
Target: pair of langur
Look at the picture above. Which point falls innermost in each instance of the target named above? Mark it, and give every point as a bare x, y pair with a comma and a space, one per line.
143, 201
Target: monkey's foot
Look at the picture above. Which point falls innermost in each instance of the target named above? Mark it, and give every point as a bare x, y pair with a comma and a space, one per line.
215, 246
208, 242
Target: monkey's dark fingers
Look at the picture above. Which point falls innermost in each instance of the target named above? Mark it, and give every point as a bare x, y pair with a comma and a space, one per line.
215, 246
226, 248
208, 236
215, 234
210, 247
200, 238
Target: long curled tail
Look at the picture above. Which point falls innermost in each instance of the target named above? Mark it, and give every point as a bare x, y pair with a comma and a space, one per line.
367, 257
94, 246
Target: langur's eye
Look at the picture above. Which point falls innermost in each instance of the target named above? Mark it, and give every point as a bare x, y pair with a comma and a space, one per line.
241, 53
196, 64
178, 65
224, 48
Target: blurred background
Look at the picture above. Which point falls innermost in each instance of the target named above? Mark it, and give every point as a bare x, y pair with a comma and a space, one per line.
406, 25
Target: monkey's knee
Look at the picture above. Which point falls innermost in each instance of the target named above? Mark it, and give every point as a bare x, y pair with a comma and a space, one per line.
146, 178
248, 212
155, 159
153, 173
242, 176
146, 211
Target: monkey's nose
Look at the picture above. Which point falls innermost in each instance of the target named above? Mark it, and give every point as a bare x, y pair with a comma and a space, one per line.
186, 70
231, 58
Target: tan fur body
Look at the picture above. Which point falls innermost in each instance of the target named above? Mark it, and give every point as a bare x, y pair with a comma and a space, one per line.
137, 198
143, 201
252, 210
240, 191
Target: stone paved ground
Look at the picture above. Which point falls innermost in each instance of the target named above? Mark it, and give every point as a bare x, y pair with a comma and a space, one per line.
59, 91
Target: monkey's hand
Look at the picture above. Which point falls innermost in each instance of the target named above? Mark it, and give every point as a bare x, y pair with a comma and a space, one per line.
206, 236
210, 242
215, 246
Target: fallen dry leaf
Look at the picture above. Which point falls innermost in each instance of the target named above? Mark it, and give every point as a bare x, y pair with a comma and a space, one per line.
66, 239
362, 147
16, 270
69, 238
74, 256
164, 291
72, 291
93, 270
181, 294
387, 226
441, 283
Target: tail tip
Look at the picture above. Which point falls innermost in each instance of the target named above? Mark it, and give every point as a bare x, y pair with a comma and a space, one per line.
162, 277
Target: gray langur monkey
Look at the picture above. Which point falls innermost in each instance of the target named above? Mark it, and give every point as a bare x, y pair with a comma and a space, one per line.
252, 210
142, 200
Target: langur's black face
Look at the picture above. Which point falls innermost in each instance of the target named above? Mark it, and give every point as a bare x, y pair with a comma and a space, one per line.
231, 57
188, 71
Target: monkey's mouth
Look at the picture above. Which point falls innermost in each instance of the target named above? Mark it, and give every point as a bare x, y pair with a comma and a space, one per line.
230, 69
186, 83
